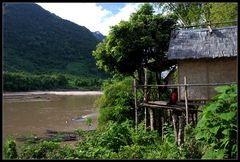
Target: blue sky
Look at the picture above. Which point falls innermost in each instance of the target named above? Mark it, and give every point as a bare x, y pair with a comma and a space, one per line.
94, 16
113, 7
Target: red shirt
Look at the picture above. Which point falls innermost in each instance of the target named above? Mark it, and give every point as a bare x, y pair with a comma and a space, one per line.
173, 98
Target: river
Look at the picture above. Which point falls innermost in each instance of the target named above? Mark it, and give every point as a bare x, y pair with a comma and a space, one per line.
31, 113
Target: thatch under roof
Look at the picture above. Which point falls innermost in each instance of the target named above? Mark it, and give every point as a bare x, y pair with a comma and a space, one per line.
200, 43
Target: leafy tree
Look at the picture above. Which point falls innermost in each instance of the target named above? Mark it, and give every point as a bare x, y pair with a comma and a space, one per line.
195, 13
130, 44
221, 12
188, 13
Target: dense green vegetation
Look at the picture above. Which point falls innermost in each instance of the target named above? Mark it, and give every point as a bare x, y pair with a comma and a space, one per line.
57, 81
38, 42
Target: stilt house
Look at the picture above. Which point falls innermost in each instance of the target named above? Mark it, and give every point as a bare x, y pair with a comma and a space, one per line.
204, 56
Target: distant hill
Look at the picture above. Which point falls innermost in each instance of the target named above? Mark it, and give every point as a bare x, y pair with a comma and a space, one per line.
37, 41
99, 35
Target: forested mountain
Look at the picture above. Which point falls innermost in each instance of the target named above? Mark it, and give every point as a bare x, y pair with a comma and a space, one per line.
37, 41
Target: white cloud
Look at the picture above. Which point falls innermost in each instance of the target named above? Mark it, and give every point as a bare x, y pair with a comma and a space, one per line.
123, 14
90, 15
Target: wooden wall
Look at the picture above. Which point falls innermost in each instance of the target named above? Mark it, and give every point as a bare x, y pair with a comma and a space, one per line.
220, 70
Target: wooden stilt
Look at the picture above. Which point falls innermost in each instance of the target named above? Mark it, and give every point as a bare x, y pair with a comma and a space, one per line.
193, 121
162, 121
145, 96
158, 121
181, 130
135, 102
151, 118
175, 126
170, 115
186, 99
196, 116
145, 118
165, 115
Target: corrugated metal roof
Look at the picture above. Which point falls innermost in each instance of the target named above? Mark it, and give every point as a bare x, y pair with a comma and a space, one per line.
200, 43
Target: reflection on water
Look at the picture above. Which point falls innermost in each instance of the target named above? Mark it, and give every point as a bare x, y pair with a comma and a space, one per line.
33, 114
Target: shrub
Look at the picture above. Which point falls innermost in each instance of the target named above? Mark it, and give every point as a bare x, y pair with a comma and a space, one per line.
142, 137
131, 152
10, 151
117, 102
39, 150
218, 125
66, 152
115, 135
191, 148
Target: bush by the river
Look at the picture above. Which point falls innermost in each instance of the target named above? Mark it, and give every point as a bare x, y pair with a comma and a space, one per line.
117, 102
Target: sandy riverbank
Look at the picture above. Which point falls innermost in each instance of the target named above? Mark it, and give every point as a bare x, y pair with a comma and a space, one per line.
72, 93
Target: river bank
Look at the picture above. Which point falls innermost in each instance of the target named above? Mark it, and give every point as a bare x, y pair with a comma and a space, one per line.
77, 93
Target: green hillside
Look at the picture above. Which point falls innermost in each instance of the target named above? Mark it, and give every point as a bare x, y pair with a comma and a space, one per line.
38, 42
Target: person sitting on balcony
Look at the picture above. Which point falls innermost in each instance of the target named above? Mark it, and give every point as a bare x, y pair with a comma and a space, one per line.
173, 97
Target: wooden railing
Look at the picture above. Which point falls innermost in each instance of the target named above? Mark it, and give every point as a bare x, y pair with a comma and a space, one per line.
149, 97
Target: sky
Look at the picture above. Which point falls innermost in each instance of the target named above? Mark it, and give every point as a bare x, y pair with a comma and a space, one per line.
94, 16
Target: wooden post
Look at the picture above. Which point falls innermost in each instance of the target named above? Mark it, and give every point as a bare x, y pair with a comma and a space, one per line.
151, 118
158, 83
135, 101
162, 121
186, 98
175, 126
193, 121
157, 121
145, 118
145, 97
181, 130
170, 115
196, 115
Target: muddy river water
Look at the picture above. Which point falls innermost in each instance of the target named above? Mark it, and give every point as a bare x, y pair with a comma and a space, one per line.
32, 113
